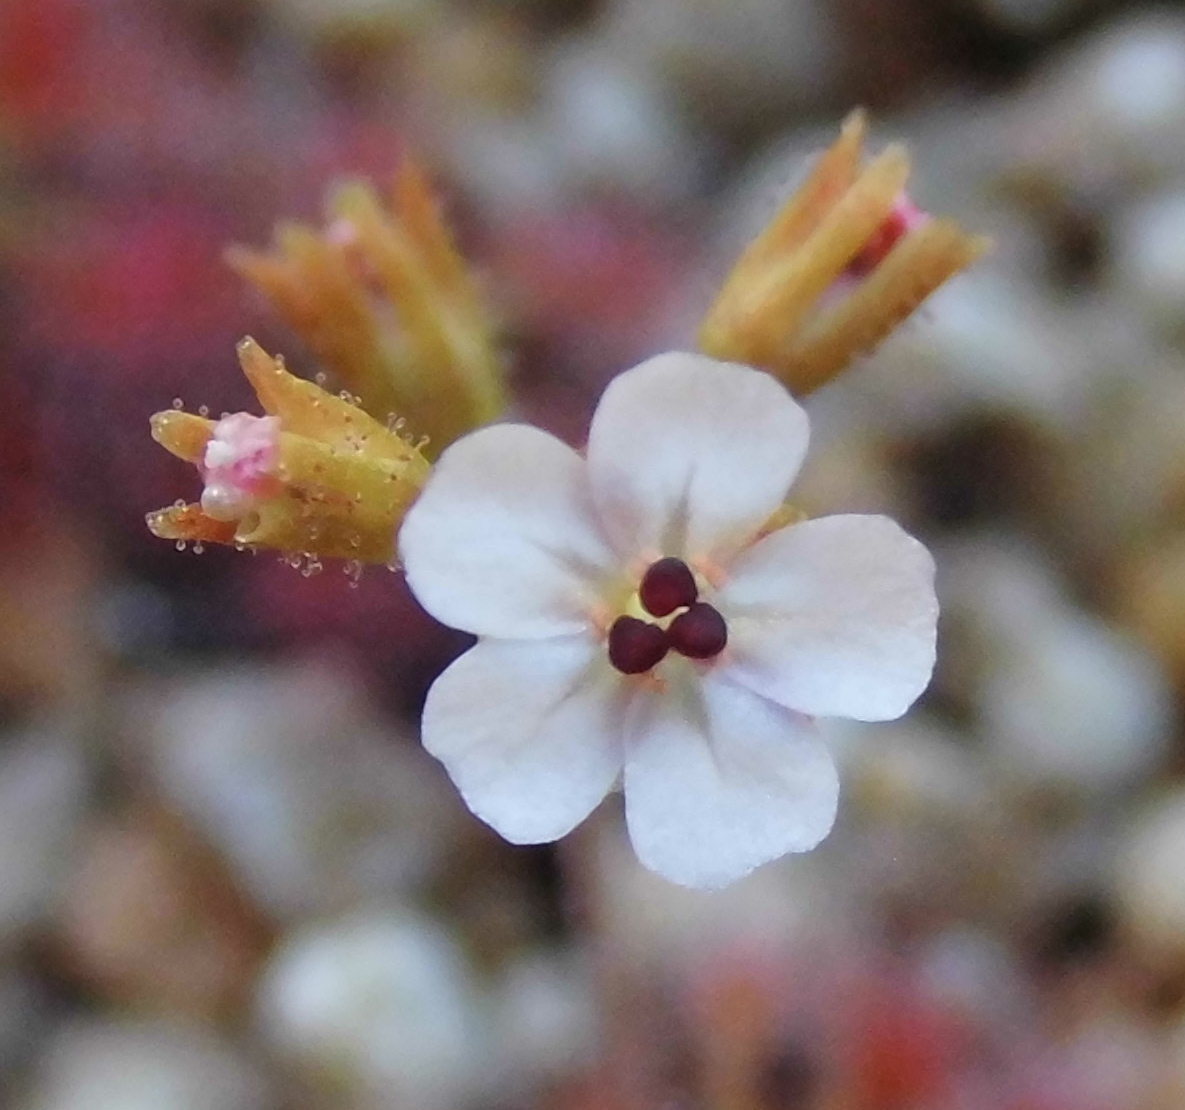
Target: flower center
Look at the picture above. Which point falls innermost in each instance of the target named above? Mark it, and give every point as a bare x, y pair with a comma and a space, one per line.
697, 631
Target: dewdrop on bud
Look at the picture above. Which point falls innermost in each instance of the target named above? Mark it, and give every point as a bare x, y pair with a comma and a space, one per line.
224, 502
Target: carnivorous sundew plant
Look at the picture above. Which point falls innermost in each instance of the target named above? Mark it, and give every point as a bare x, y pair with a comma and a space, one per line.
650, 610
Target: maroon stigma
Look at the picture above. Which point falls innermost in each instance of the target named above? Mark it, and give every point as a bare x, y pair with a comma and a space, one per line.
700, 633
666, 586
636, 646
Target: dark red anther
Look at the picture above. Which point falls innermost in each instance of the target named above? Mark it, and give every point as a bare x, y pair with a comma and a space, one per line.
635, 646
666, 586
700, 633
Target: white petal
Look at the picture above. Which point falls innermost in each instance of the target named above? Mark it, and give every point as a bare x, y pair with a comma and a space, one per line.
503, 541
719, 781
689, 456
529, 731
834, 617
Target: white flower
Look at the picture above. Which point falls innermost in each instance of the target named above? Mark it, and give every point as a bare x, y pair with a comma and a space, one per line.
548, 556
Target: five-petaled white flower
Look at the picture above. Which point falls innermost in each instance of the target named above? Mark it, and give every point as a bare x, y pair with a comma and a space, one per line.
635, 623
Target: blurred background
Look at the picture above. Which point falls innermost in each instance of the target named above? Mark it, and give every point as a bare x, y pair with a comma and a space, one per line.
229, 877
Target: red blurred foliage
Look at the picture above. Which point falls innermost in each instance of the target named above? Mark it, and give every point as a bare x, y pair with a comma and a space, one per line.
128, 283
41, 85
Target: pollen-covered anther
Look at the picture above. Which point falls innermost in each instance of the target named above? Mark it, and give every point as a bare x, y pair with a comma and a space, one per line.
636, 646
666, 586
699, 633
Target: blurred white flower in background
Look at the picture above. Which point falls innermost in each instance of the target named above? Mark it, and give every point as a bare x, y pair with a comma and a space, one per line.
108, 1065
917, 769
745, 58
656, 925
612, 126
1148, 263
295, 775
1107, 113
380, 1007
545, 1020
1149, 874
569, 569
44, 780
26, 1013
1064, 699
1073, 702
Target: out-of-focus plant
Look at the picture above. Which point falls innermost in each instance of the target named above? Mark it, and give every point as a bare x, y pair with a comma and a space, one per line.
386, 303
844, 261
